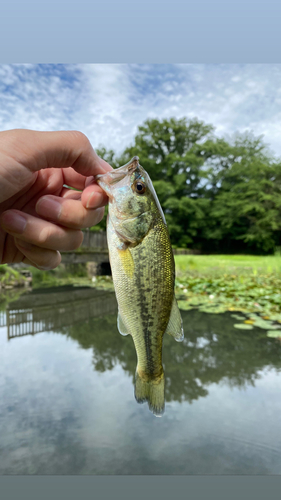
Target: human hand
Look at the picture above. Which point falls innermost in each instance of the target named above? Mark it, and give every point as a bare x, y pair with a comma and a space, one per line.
39, 216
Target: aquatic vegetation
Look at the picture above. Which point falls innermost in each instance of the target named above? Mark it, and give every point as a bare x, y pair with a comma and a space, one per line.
243, 326
273, 334
255, 295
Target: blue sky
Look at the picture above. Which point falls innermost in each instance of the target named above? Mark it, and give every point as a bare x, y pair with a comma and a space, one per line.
108, 101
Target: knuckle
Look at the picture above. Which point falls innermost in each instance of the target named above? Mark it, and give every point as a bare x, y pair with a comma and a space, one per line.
73, 240
81, 138
44, 235
77, 240
63, 239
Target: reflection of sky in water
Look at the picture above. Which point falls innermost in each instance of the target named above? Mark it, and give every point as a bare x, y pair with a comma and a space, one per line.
60, 416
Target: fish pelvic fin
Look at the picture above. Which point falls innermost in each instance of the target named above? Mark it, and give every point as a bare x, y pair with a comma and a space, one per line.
152, 392
175, 327
121, 325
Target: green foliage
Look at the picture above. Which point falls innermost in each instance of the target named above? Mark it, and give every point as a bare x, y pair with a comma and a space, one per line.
217, 195
174, 152
108, 155
10, 277
248, 206
61, 275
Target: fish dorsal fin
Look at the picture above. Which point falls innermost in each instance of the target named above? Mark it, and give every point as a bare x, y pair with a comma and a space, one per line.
121, 326
127, 261
175, 328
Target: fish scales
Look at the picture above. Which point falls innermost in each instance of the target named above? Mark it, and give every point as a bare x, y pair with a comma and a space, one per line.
143, 272
151, 291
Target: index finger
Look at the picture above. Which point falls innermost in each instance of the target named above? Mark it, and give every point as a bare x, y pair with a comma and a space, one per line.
62, 149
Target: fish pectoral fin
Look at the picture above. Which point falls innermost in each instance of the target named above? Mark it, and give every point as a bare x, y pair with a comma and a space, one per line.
121, 326
175, 328
127, 261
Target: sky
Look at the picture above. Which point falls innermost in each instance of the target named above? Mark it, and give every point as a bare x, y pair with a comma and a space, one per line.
109, 101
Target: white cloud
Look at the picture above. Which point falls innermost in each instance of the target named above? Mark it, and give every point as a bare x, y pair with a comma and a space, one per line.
109, 101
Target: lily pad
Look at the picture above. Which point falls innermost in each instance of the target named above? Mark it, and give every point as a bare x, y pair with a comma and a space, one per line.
265, 325
237, 316
274, 333
243, 326
212, 310
252, 297
252, 316
184, 305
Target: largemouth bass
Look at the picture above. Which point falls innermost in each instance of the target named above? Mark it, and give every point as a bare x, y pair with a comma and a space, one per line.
143, 271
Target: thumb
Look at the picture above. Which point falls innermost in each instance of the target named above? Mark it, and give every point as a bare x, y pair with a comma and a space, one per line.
39, 150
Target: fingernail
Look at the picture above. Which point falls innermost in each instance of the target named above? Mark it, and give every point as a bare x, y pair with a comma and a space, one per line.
13, 221
49, 207
95, 200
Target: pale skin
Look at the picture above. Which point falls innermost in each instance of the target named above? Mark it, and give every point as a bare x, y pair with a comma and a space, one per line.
39, 217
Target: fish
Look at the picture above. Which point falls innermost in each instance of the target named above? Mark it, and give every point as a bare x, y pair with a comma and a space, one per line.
143, 272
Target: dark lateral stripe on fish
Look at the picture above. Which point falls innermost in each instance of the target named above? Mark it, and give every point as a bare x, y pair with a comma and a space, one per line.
151, 342
144, 314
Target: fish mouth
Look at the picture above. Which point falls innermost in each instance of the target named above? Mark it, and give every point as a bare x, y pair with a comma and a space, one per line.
105, 181
119, 173
110, 177
133, 164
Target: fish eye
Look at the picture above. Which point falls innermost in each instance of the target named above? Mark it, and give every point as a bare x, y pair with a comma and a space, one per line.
139, 187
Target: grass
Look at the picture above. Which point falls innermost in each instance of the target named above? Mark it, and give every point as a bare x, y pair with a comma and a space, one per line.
228, 264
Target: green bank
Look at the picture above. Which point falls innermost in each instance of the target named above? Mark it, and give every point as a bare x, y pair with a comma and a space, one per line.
218, 264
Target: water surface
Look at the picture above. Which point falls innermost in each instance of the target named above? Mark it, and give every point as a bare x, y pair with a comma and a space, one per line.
67, 399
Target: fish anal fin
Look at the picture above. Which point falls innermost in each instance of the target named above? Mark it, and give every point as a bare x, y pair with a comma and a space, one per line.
175, 327
127, 261
121, 326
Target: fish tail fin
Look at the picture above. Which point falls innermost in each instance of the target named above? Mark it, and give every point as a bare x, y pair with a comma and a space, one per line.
152, 391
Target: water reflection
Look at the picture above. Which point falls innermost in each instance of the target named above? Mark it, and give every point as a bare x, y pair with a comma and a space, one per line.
50, 309
213, 351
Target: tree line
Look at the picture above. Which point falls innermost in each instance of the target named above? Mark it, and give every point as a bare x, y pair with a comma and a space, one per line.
218, 195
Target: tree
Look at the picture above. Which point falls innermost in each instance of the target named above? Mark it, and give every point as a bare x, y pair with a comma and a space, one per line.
247, 209
217, 195
107, 155
175, 154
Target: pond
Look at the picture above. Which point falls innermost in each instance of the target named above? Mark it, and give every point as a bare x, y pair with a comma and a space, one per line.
67, 401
